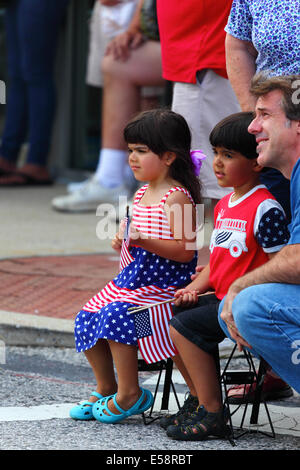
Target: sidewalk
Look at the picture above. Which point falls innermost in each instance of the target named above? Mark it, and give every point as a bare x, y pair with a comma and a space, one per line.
51, 263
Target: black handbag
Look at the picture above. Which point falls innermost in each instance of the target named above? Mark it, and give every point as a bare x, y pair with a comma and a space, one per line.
149, 24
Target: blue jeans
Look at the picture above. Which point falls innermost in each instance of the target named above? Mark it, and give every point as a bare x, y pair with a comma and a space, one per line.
32, 28
268, 318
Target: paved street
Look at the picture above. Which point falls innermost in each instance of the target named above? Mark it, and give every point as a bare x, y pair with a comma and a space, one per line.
39, 385
49, 264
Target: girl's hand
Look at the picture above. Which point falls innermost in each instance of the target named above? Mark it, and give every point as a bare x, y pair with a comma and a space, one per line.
116, 243
186, 297
134, 235
118, 239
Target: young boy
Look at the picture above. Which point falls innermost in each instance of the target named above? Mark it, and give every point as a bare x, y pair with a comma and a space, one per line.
250, 227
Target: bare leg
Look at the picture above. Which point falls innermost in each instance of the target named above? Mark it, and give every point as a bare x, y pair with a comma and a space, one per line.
126, 363
100, 359
202, 370
122, 82
182, 369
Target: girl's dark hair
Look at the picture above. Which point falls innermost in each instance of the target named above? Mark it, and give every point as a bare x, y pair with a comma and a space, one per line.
232, 134
163, 130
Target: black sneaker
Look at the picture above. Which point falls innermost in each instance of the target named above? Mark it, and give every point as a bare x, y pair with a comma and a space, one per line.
208, 424
189, 406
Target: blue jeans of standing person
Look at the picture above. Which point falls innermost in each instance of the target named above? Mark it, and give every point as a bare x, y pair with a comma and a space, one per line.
268, 317
32, 28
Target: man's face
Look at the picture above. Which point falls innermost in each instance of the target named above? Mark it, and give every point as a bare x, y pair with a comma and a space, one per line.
275, 134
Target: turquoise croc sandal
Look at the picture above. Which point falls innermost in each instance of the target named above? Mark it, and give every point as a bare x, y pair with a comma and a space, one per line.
83, 410
143, 404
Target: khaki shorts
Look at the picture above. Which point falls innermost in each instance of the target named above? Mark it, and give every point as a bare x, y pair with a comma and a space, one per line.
203, 105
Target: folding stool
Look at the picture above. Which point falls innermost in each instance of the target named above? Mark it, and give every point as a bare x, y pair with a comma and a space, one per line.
160, 366
237, 377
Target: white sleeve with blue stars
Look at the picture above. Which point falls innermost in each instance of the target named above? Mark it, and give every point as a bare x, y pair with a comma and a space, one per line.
271, 226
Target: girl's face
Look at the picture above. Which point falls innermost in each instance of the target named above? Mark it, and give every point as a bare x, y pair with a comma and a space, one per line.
146, 165
231, 168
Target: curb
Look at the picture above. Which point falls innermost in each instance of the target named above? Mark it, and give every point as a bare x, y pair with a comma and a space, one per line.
19, 329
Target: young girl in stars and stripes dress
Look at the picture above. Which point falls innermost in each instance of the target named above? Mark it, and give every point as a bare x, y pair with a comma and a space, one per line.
157, 257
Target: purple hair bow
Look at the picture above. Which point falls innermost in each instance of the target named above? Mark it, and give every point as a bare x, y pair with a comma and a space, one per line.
197, 157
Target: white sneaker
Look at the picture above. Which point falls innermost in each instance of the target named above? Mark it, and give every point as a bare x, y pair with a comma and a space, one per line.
89, 196
73, 187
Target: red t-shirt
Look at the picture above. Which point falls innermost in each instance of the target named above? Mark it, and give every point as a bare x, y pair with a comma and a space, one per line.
234, 249
192, 37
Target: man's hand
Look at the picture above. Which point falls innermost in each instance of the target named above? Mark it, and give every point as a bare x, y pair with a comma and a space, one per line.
227, 317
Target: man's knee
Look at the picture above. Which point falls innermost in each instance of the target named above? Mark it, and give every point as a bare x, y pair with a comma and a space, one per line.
244, 307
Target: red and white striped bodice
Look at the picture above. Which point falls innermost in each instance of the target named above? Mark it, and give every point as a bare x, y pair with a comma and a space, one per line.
152, 220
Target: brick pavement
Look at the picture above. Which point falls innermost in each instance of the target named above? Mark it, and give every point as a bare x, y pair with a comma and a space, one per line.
53, 286
56, 286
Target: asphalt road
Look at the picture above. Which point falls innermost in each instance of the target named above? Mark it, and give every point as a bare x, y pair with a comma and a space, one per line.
38, 386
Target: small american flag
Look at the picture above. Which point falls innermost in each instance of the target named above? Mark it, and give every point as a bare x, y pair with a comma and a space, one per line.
152, 329
125, 256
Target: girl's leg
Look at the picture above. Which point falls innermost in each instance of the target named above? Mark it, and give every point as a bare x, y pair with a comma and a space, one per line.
100, 359
126, 362
202, 370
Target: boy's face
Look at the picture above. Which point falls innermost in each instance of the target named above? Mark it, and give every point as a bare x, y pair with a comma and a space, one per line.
231, 168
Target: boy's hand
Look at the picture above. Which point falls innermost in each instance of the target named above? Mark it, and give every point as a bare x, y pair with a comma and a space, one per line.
198, 270
186, 297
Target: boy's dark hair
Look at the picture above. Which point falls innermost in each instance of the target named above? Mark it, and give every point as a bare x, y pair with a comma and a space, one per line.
163, 130
232, 134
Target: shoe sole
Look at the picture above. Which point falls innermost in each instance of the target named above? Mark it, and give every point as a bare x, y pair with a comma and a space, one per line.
267, 396
203, 437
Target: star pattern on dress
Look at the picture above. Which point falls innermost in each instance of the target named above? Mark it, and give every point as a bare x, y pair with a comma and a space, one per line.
105, 315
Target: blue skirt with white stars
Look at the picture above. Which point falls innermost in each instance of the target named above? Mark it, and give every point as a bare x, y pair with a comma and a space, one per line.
112, 321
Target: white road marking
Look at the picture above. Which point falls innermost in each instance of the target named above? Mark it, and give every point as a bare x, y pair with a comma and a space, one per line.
61, 411
35, 413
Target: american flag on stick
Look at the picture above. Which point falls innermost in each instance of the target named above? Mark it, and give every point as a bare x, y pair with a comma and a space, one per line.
125, 256
152, 329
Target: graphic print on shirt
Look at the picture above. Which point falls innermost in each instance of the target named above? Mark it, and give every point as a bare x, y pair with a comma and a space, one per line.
229, 234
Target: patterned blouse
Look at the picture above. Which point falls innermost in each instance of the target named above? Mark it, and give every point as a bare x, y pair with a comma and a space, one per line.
273, 26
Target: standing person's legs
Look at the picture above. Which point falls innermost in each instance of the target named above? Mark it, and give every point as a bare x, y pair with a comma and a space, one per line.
121, 98
121, 101
15, 128
268, 318
203, 105
40, 23
38, 27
